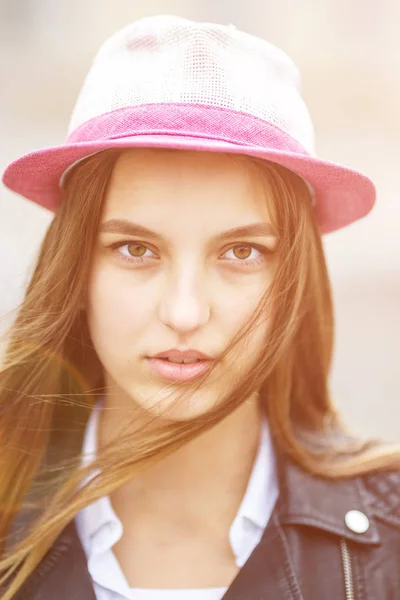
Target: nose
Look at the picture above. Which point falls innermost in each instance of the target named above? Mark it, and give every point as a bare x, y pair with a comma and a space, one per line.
184, 306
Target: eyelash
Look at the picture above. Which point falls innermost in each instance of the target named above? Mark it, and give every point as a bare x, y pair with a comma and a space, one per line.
137, 260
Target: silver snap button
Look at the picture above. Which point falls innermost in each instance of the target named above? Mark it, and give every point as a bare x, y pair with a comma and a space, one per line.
357, 521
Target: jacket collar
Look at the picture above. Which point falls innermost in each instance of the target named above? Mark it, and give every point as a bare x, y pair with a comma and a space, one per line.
323, 503
304, 499
62, 573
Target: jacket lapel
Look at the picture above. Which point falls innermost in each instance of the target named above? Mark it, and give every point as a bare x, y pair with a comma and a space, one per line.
268, 573
322, 503
62, 573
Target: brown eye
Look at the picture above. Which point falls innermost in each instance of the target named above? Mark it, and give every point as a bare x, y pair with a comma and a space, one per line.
242, 252
136, 250
247, 254
132, 252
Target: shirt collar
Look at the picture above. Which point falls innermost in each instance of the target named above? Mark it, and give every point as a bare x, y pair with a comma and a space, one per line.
100, 528
262, 484
97, 524
258, 501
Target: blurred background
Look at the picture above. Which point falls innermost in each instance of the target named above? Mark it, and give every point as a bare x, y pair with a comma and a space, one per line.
348, 53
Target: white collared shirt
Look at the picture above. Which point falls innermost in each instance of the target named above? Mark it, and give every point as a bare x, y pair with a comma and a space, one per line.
99, 528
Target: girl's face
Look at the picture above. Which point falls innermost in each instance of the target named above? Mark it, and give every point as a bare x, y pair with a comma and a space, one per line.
170, 271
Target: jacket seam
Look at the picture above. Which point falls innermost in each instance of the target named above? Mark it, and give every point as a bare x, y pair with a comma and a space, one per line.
288, 566
359, 576
44, 568
371, 500
383, 514
389, 519
326, 525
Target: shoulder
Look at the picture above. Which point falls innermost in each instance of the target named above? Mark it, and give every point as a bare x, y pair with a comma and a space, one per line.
382, 489
62, 573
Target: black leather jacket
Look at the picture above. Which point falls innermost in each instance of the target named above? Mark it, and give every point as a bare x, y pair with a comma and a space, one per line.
310, 549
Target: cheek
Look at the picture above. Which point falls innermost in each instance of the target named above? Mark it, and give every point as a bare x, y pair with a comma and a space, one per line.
239, 301
236, 308
247, 353
117, 314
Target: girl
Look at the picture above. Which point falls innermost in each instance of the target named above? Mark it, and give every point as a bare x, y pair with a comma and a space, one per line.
166, 425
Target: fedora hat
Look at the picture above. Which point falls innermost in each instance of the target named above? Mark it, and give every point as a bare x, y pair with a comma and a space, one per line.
168, 82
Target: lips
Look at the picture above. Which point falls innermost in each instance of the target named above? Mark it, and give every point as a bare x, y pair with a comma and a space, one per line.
180, 365
178, 371
180, 355
184, 361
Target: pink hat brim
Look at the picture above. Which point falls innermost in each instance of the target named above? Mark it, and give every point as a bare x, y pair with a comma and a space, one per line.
342, 195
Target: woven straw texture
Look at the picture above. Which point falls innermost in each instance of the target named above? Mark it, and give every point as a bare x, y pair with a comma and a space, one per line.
173, 60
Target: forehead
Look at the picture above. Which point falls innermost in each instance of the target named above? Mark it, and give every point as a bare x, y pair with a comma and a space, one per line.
162, 184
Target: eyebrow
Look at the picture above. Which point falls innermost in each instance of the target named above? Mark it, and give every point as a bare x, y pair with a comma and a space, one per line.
125, 227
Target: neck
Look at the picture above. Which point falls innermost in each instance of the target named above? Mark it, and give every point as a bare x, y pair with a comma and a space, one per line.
200, 484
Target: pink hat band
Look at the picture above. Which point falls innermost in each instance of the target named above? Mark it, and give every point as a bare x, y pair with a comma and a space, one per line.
168, 82
187, 120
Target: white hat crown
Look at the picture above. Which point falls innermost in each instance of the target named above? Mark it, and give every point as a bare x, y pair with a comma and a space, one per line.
167, 59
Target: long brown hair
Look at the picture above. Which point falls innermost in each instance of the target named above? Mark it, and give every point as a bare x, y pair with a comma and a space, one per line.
51, 375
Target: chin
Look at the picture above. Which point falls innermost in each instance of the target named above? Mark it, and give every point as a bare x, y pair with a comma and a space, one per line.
165, 403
